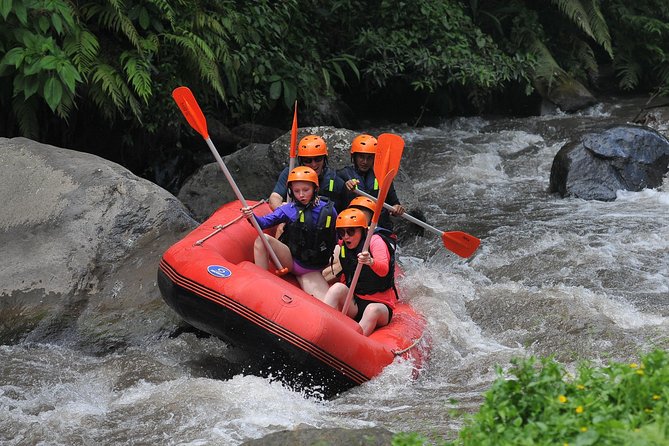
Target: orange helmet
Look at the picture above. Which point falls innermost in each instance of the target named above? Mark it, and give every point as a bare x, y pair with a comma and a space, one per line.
303, 173
363, 144
351, 218
363, 203
312, 145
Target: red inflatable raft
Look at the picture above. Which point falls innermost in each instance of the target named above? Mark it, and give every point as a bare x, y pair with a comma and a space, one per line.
210, 280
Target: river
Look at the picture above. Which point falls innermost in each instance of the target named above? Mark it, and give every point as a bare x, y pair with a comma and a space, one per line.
565, 277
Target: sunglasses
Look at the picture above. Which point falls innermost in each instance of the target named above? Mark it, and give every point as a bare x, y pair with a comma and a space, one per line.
309, 160
348, 231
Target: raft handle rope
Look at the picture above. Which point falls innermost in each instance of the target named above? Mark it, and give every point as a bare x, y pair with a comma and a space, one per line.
219, 228
403, 351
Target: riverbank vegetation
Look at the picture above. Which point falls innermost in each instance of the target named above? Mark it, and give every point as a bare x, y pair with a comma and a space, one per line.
540, 402
99, 73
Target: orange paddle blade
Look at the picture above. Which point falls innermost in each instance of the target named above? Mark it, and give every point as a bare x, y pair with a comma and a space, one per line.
460, 243
293, 134
388, 154
191, 110
383, 192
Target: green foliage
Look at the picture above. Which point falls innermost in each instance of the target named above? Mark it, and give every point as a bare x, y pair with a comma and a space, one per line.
543, 404
43, 51
408, 439
641, 37
125, 58
433, 45
65, 64
562, 36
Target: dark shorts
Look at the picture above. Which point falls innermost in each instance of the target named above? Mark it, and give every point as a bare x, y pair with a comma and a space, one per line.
362, 305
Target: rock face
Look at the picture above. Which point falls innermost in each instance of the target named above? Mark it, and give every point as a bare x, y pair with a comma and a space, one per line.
568, 94
77, 232
598, 164
326, 437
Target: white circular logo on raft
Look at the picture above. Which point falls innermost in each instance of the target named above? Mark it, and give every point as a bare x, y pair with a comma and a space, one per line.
219, 271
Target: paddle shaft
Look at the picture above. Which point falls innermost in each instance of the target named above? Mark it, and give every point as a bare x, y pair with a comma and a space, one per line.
291, 166
358, 268
406, 216
240, 197
293, 146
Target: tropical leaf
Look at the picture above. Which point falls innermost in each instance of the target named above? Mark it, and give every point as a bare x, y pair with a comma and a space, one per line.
138, 71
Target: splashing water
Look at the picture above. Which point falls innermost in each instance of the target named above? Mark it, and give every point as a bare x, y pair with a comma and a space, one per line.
576, 279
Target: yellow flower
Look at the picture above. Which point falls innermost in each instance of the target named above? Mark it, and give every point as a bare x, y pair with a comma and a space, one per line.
562, 399
565, 444
656, 397
584, 429
580, 387
647, 410
634, 365
639, 372
579, 409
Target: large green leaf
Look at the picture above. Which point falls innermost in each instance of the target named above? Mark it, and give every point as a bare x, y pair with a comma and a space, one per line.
53, 92
5, 8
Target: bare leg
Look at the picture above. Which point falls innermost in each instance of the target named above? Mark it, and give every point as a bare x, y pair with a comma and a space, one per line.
336, 296
375, 315
314, 283
261, 256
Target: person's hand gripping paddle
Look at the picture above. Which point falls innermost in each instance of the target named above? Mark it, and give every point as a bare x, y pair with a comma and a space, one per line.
193, 114
386, 164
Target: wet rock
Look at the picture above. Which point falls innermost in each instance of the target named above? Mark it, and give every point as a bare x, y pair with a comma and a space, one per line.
81, 240
328, 111
568, 94
326, 437
655, 117
255, 133
598, 164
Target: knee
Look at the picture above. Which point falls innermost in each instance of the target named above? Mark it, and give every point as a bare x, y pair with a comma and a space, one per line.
377, 313
333, 296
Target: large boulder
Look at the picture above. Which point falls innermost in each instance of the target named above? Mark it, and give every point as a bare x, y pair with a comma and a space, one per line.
81, 241
596, 165
566, 93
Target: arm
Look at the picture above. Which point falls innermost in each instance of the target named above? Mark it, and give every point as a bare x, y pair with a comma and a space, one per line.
280, 192
279, 215
394, 201
349, 182
330, 273
380, 257
275, 200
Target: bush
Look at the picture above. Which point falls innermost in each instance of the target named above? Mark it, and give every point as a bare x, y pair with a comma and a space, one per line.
543, 404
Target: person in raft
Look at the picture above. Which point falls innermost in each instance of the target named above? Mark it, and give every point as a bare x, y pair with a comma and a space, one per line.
375, 295
308, 240
360, 174
367, 206
312, 151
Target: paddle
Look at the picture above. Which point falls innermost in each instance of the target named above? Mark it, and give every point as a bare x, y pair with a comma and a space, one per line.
459, 242
386, 163
193, 114
293, 146
293, 140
